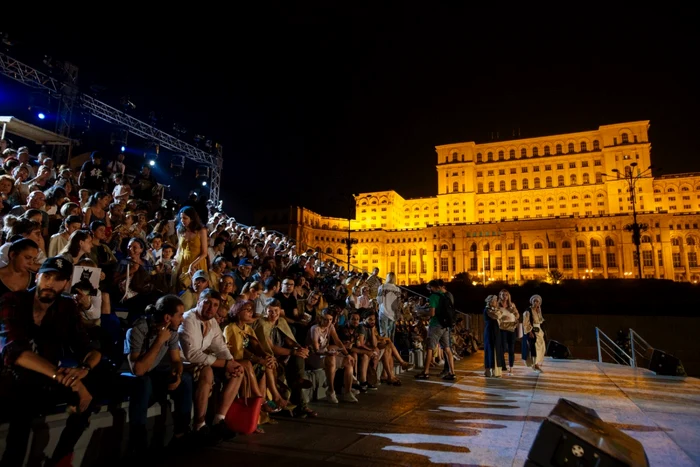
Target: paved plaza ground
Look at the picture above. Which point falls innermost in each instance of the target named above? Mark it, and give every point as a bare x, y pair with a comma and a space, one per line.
476, 420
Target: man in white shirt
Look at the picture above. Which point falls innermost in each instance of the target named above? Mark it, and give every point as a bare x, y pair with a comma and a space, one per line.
204, 348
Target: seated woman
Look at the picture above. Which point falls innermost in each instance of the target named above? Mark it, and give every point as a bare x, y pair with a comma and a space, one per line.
246, 350
133, 280
277, 339
324, 355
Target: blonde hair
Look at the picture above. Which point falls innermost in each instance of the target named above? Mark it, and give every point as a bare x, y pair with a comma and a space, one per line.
391, 278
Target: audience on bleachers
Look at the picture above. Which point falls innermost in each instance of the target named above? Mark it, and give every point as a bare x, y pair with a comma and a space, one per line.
189, 304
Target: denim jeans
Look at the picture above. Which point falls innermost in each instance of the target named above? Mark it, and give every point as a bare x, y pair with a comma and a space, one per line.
387, 327
152, 387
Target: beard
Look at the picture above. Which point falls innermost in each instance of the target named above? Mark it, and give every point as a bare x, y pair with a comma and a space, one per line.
47, 295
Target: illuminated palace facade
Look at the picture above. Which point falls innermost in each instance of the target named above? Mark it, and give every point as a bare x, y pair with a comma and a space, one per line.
511, 210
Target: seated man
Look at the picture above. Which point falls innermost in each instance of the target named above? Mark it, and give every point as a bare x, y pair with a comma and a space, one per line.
204, 348
383, 344
200, 281
50, 359
276, 338
154, 357
363, 353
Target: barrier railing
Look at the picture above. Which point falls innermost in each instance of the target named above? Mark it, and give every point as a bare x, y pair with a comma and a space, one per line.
608, 347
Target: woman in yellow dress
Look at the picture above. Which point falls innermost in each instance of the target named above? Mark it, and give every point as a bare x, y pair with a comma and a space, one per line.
191, 247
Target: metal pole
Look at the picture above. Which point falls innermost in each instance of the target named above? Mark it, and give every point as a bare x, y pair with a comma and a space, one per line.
633, 357
597, 340
636, 234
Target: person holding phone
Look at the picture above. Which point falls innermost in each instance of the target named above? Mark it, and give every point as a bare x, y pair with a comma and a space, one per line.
148, 342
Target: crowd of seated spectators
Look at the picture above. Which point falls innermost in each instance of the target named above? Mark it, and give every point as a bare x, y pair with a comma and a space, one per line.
188, 302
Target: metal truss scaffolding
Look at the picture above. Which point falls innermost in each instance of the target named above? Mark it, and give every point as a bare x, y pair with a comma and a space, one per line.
69, 95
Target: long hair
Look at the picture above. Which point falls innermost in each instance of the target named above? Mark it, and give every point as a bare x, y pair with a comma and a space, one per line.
73, 245
195, 222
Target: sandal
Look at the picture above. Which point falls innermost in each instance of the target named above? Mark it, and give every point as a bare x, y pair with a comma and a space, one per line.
422, 376
259, 430
395, 382
309, 412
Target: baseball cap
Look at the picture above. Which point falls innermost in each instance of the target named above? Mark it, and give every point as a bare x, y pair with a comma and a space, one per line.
201, 274
245, 262
58, 264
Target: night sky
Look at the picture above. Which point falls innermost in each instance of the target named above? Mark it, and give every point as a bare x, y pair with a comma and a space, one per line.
313, 105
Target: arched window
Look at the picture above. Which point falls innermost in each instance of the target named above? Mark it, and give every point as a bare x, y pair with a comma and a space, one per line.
339, 251
609, 241
690, 241
393, 253
586, 179
498, 247
570, 147
455, 157
375, 251
552, 244
675, 242
354, 252
455, 186
538, 246
443, 247
596, 145
486, 247
546, 151
558, 148
525, 246
573, 179
535, 151
525, 184
548, 182
523, 152
489, 157
511, 154
646, 239
329, 251
491, 186
502, 185
584, 147
365, 251
580, 244
565, 244
513, 184
625, 138
473, 247
501, 156
560, 180
594, 242
511, 246
536, 182
479, 157
479, 187
598, 177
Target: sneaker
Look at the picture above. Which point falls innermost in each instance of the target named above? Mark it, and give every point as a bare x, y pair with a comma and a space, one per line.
349, 397
362, 387
354, 391
372, 387
331, 397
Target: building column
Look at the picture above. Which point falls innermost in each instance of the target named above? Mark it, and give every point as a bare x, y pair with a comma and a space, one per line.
604, 259
655, 258
518, 257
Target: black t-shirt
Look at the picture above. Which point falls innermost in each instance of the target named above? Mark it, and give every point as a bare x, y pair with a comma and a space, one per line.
93, 178
288, 305
143, 186
348, 334
365, 331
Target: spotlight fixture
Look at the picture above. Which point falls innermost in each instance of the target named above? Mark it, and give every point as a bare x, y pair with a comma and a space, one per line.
123, 148
177, 165
152, 162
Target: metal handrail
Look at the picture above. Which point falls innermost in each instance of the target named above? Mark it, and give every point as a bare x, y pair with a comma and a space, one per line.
637, 341
610, 344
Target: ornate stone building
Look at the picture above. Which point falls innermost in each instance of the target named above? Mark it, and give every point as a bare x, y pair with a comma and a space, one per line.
511, 210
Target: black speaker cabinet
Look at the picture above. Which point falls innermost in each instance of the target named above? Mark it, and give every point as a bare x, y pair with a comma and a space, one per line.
575, 436
665, 364
557, 350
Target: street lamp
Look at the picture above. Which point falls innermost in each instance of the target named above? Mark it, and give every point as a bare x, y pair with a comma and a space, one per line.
635, 227
349, 242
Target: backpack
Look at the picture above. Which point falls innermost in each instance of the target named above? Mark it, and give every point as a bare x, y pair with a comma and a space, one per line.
445, 312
